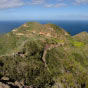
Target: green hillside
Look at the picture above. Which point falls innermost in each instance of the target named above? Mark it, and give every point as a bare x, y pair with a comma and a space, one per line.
43, 56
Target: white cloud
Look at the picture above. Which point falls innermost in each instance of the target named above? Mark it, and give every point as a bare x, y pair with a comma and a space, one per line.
10, 3
37, 2
55, 5
49, 5
17, 3
81, 2
58, 3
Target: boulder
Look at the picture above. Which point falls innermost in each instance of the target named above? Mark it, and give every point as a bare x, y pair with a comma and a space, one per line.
5, 78
2, 85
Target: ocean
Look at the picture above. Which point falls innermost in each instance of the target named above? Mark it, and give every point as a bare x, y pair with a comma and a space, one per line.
73, 27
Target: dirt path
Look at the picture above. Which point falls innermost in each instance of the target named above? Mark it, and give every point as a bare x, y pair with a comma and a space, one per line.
49, 47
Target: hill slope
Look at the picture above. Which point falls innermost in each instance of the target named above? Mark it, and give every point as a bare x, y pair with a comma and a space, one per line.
43, 56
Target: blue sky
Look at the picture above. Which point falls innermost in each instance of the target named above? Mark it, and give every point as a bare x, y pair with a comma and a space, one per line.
44, 10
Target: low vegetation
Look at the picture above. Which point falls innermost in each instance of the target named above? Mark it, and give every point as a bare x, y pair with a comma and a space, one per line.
21, 57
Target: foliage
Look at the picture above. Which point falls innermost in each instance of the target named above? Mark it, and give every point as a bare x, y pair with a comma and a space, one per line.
21, 57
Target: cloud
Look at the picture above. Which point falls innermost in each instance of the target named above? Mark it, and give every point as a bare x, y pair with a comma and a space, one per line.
17, 3
60, 5
78, 2
55, 5
46, 3
10, 3
37, 2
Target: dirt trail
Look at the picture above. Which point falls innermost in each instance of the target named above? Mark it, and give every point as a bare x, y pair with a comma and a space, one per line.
49, 47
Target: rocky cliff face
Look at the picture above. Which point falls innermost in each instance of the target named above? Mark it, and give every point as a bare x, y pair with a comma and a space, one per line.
43, 56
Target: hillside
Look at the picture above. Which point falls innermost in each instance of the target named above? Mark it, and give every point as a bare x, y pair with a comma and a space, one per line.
43, 56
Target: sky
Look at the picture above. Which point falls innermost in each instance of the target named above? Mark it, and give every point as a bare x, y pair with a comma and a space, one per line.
43, 10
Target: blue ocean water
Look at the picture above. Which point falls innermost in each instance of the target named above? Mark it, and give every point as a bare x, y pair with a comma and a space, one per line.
74, 27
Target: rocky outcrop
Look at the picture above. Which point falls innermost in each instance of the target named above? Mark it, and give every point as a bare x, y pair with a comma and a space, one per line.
5, 82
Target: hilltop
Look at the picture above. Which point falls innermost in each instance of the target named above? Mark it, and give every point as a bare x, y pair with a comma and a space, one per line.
38, 55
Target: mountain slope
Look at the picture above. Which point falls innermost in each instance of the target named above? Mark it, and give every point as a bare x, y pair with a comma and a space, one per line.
43, 56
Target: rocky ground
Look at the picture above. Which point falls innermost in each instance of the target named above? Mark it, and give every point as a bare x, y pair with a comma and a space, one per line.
5, 82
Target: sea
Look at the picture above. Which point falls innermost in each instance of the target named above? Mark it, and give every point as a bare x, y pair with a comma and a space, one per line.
72, 26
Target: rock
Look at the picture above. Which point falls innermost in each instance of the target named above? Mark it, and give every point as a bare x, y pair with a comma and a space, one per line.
5, 78
58, 85
2, 85
11, 83
28, 86
18, 84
